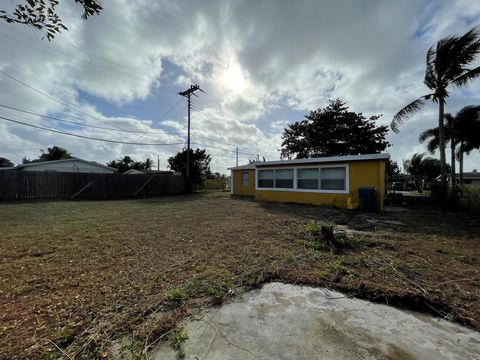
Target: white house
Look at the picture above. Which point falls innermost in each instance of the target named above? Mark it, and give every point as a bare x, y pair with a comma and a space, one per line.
67, 165
470, 178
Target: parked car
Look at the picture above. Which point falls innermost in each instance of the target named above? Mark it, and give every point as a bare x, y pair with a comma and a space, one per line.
397, 186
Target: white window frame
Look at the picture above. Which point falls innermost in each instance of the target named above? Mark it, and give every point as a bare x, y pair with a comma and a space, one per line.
295, 179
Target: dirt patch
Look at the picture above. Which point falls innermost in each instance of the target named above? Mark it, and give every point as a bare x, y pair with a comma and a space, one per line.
76, 275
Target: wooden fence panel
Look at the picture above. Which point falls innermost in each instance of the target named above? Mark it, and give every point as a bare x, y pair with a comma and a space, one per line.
31, 185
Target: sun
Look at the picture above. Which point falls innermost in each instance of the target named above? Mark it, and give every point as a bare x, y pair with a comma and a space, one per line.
233, 78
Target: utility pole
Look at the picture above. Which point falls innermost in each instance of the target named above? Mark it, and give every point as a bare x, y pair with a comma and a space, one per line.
188, 93
236, 157
158, 162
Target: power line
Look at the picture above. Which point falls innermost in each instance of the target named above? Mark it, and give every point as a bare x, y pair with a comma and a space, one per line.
63, 103
86, 137
135, 131
68, 56
83, 124
82, 50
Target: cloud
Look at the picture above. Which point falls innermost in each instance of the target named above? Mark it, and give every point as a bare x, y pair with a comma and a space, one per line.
261, 64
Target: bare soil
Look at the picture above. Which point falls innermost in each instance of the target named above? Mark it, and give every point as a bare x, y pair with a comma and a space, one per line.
77, 276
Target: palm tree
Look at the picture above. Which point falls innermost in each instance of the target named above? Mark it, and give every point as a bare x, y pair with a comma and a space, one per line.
434, 141
446, 65
467, 130
462, 130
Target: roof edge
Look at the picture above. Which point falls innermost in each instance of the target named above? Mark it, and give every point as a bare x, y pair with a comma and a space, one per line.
325, 159
64, 160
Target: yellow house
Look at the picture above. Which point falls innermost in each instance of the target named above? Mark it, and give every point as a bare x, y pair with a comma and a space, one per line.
325, 180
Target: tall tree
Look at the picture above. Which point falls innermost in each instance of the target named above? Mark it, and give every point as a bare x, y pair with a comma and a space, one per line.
392, 168
423, 169
52, 153
199, 166
446, 64
4, 162
461, 130
127, 163
42, 14
331, 131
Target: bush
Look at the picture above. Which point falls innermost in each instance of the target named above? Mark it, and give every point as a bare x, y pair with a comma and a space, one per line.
324, 237
464, 198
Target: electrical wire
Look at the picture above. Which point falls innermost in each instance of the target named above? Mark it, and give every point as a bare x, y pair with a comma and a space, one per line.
86, 137
83, 124
124, 76
63, 103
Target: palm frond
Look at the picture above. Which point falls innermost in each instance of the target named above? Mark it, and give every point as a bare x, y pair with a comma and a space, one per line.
459, 52
430, 78
433, 135
464, 78
427, 134
407, 111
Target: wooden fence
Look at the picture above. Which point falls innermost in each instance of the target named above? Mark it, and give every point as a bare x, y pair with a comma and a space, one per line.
31, 185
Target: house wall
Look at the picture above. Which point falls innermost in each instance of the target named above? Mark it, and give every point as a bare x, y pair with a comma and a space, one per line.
368, 173
68, 166
240, 190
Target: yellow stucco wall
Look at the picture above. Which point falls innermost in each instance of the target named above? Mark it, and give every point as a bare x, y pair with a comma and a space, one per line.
315, 198
240, 190
365, 173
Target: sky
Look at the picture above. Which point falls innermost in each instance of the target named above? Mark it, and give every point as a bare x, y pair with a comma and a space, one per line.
261, 64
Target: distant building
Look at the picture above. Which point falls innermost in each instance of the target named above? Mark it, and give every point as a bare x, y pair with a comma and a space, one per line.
469, 178
74, 165
150, 172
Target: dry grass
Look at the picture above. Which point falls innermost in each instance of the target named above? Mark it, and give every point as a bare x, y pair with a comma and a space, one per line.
75, 276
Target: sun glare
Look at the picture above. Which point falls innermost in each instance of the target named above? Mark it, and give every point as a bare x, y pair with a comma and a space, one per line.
233, 79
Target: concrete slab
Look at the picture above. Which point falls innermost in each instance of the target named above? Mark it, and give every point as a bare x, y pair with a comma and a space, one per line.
282, 321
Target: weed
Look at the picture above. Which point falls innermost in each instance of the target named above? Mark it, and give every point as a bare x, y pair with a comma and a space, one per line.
320, 275
177, 340
448, 295
449, 317
134, 348
208, 286
323, 237
176, 297
288, 256
339, 266
64, 336
51, 353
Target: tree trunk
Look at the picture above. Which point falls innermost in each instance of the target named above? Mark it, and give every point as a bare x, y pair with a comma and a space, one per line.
443, 165
461, 163
453, 177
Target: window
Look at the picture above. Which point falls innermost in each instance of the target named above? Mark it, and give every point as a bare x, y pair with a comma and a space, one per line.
307, 178
316, 179
245, 178
332, 178
265, 178
284, 179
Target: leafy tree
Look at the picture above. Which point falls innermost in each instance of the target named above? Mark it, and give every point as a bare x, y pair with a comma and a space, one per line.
199, 166
462, 130
5, 162
127, 163
217, 175
331, 131
53, 153
392, 168
446, 65
42, 15
423, 169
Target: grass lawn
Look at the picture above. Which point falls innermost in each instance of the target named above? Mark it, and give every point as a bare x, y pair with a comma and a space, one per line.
76, 276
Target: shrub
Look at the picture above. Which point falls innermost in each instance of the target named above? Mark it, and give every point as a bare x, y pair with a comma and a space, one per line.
176, 297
